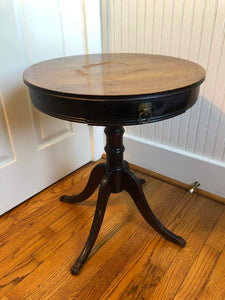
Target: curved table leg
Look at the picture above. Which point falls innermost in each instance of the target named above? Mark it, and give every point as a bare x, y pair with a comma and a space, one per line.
103, 196
94, 180
133, 187
127, 167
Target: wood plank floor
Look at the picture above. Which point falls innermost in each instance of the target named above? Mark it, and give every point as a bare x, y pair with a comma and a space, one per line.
40, 240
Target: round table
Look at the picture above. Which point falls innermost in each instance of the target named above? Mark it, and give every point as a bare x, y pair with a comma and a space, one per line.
113, 90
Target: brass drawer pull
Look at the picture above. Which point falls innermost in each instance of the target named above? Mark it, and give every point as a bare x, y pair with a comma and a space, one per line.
145, 112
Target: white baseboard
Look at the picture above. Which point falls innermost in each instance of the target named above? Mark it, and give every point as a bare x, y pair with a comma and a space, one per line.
179, 165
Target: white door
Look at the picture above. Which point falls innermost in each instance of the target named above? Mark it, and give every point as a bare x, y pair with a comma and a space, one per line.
36, 150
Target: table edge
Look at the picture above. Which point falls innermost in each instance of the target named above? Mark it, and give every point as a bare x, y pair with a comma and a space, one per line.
105, 98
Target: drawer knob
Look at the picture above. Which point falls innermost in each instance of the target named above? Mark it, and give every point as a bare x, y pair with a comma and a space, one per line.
145, 112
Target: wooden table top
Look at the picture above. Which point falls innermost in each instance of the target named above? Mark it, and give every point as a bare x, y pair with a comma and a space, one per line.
114, 89
113, 75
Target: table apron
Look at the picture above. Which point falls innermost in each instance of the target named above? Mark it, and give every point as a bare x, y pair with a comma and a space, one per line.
114, 112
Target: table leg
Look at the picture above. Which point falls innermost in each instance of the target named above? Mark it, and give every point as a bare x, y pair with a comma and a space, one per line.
103, 196
126, 166
95, 179
133, 187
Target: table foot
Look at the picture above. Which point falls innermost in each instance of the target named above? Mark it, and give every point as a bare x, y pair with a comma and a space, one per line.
95, 179
133, 186
103, 196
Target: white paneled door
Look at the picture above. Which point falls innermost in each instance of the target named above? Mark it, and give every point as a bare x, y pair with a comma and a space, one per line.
36, 150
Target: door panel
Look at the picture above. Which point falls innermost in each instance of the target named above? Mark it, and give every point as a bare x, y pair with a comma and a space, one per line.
50, 130
6, 149
35, 149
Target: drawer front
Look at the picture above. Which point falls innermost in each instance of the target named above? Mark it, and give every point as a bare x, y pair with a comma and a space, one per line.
115, 112
140, 112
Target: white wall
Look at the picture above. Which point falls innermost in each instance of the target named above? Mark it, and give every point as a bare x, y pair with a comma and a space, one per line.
189, 29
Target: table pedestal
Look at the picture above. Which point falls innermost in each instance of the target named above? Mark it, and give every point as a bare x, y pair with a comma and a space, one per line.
114, 177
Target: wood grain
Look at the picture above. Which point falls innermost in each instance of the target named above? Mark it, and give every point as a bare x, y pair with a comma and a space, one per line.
215, 283
43, 236
198, 274
113, 74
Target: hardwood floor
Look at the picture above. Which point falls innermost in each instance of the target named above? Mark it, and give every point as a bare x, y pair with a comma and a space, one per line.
40, 240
